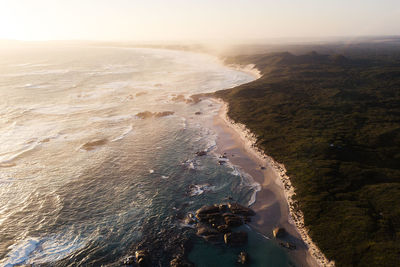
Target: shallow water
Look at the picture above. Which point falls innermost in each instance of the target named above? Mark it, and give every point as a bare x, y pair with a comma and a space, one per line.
83, 179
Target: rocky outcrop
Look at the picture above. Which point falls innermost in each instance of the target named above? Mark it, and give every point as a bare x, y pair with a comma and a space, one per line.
207, 210
235, 239
179, 98
232, 220
216, 223
241, 210
205, 230
93, 144
224, 229
148, 114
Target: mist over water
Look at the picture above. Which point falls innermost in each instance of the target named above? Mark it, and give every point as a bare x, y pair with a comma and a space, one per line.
82, 177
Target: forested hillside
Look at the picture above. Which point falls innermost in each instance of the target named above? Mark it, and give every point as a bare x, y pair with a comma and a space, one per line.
334, 121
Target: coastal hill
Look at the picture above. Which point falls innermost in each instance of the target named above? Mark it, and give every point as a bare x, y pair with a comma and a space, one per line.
334, 121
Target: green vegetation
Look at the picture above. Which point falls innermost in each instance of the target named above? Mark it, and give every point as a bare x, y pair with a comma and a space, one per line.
334, 122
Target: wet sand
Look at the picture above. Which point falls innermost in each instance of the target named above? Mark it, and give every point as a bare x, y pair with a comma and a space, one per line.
271, 203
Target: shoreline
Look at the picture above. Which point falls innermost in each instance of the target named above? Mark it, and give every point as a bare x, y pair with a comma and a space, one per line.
249, 69
274, 204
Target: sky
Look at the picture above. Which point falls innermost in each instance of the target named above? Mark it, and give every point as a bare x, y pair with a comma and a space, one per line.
195, 20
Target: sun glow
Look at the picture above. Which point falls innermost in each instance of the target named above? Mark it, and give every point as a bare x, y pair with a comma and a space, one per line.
195, 20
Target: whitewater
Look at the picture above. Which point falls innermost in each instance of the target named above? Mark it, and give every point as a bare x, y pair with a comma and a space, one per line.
84, 177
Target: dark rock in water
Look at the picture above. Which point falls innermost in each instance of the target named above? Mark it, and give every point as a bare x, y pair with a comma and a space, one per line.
144, 115
201, 153
216, 220
189, 221
262, 168
163, 114
142, 258
208, 209
93, 144
215, 215
279, 232
209, 234
224, 229
129, 260
235, 239
228, 214
148, 114
204, 230
202, 217
198, 113
141, 93
223, 207
179, 261
243, 258
233, 221
179, 98
197, 98
239, 209
208, 217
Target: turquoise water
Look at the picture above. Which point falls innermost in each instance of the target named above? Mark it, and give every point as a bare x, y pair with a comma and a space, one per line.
83, 180
261, 251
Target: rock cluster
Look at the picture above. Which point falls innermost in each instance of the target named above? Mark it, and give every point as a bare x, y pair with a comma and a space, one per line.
160, 248
216, 222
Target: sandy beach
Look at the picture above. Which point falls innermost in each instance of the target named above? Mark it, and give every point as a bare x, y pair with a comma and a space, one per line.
274, 204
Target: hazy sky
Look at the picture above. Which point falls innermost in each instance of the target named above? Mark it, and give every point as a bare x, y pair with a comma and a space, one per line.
223, 20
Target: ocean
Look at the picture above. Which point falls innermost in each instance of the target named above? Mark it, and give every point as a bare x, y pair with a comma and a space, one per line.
98, 154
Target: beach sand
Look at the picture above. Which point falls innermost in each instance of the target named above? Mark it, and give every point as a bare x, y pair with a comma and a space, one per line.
274, 204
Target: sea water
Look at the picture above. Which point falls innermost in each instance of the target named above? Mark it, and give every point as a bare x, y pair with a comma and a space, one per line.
83, 179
